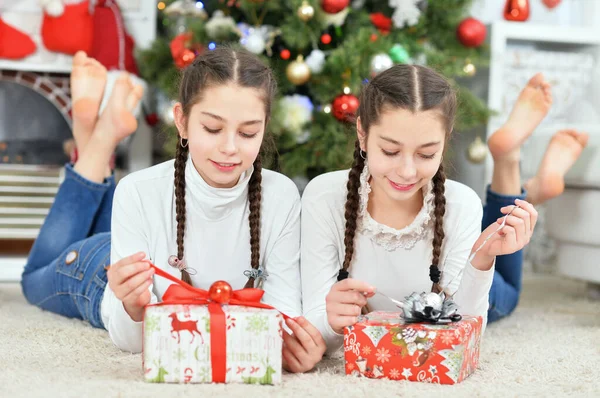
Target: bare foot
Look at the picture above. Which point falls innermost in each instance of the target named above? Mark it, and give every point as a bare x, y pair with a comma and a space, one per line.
88, 79
564, 149
117, 120
115, 123
527, 113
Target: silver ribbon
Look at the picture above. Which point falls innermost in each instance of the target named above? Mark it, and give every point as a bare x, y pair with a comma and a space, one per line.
430, 308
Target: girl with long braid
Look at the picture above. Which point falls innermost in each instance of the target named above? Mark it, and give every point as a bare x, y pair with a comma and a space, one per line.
212, 213
394, 223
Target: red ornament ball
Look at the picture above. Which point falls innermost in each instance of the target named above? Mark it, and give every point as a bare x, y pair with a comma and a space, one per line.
551, 3
285, 54
344, 107
471, 32
152, 119
334, 6
326, 38
220, 292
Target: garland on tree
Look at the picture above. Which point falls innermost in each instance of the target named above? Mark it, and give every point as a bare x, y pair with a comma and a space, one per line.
322, 52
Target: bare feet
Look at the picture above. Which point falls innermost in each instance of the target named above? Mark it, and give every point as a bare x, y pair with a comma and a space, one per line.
117, 120
564, 149
88, 79
527, 113
116, 123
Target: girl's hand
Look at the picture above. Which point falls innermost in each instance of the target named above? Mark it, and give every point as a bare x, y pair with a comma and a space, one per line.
514, 236
303, 349
130, 278
345, 301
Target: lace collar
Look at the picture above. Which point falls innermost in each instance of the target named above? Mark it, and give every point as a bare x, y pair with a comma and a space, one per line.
391, 238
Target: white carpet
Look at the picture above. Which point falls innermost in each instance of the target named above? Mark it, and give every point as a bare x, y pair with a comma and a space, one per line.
549, 347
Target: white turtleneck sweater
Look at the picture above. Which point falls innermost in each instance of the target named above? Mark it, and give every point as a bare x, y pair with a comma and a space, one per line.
217, 238
395, 262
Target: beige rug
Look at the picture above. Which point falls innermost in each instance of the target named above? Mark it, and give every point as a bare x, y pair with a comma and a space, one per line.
549, 347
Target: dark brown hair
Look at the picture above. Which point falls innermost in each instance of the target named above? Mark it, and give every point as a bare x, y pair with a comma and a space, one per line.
416, 89
221, 66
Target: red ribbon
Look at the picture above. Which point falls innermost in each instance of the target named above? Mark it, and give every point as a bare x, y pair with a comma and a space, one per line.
183, 293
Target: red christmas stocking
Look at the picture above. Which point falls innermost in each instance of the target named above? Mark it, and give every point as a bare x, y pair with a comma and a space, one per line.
70, 32
14, 44
112, 46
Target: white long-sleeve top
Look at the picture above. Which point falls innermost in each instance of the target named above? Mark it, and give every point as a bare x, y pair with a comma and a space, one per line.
396, 262
217, 238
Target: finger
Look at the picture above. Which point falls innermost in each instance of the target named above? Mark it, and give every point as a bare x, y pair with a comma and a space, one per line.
522, 214
301, 335
135, 286
314, 333
340, 309
354, 284
508, 245
130, 259
343, 321
294, 346
531, 210
292, 362
129, 271
350, 297
518, 225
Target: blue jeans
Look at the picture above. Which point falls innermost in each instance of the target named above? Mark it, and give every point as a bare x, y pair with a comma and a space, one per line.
506, 286
65, 270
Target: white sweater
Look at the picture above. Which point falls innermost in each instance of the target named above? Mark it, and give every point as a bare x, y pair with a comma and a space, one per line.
217, 238
396, 262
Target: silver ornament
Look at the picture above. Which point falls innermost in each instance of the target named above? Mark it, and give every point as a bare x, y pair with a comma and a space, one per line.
379, 63
164, 107
255, 43
477, 150
433, 300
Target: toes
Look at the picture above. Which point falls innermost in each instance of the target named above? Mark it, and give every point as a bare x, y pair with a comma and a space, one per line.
134, 97
536, 80
80, 58
583, 138
121, 88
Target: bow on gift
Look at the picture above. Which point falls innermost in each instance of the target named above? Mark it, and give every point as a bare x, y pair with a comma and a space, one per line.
219, 293
430, 308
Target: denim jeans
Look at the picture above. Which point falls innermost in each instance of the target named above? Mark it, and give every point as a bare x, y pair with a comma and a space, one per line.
65, 270
506, 286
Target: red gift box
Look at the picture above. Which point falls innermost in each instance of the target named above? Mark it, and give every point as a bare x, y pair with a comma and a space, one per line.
381, 345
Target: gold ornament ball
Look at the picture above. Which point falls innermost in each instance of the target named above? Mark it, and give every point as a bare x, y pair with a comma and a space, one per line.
298, 71
477, 151
470, 69
306, 11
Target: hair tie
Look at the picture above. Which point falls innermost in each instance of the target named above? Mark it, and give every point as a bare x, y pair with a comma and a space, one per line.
343, 274
434, 273
180, 264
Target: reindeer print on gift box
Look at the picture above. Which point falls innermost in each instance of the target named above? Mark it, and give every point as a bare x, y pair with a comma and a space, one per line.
178, 326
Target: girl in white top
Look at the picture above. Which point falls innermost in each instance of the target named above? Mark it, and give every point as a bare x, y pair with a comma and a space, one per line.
393, 222
213, 213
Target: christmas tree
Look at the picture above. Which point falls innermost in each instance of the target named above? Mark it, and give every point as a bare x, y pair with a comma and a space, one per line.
322, 52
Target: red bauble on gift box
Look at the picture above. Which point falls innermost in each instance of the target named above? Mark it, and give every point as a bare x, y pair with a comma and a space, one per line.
471, 32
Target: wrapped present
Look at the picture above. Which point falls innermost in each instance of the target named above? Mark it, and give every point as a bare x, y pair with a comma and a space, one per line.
220, 335
385, 345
